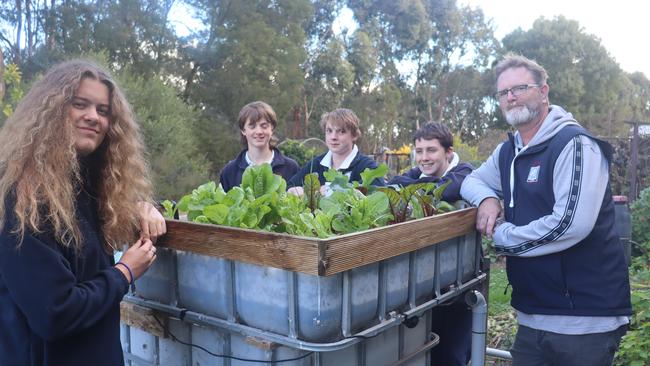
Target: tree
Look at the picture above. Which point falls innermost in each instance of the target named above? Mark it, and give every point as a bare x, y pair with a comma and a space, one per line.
130, 32
425, 40
329, 78
135, 33
459, 33
169, 128
327, 74
251, 51
467, 108
638, 90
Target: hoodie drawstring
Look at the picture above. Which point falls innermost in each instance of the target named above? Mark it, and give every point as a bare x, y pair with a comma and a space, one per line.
512, 175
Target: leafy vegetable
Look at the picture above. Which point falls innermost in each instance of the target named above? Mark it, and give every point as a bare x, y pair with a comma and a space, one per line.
262, 203
354, 212
311, 191
369, 175
414, 201
261, 180
170, 209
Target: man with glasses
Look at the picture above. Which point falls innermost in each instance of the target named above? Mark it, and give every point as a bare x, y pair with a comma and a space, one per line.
565, 263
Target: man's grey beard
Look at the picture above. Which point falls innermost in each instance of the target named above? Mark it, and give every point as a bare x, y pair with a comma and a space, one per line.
521, 115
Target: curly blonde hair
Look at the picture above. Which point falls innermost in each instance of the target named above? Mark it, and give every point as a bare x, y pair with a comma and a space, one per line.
39, 165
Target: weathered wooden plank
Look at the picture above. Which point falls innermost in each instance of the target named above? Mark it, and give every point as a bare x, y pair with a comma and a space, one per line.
353, 250
143, 318
257, 247
316, 256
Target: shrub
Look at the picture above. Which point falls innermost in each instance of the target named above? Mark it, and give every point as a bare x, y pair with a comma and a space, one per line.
635, 346
297, 151
640, 211
14, 92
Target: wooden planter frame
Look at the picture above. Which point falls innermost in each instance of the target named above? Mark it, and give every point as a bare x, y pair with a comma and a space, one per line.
322, 257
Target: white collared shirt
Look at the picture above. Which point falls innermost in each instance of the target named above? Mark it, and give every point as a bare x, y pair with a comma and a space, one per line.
252, 163
326, 161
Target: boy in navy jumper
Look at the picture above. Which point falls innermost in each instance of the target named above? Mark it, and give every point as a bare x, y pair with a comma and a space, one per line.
71, 175
257, 121
438, 163
565, 262
342, 130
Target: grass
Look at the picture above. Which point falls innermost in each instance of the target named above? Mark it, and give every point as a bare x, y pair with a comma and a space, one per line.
502, 323
499, 300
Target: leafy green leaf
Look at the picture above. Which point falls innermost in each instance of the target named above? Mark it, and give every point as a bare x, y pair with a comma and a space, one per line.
444, 206
369, 175
170, 209
261, 180
437, 193
216, 213
311, 191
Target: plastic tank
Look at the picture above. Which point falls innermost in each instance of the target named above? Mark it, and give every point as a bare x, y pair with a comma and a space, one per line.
624, 225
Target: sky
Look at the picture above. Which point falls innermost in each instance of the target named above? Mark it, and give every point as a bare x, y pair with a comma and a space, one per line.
623, 26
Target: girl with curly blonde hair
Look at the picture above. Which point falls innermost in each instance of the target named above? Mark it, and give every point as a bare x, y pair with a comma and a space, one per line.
74, 186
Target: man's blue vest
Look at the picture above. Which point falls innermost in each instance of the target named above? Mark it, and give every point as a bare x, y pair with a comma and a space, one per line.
587, 279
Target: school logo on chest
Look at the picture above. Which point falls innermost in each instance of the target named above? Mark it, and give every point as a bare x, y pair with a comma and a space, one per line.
533, 172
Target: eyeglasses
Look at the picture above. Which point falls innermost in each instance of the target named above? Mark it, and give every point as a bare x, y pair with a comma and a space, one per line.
516, 91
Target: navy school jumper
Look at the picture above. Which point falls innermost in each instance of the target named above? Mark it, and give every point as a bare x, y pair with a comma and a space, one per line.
232, 173
58, 307
357, 166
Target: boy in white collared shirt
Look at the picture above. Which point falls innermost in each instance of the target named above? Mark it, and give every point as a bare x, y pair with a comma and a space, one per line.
341, 128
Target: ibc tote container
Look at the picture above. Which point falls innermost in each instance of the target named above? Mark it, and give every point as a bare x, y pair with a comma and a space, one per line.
358, 299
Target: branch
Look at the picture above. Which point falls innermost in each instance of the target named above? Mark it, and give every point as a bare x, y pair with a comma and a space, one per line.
8, 42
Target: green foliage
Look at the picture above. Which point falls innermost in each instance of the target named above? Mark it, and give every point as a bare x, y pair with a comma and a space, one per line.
168, 126
311, 191
330, 76
502, 323
340, 181
499, 296
468, 153
464, 105
262, 181
640, 211
368, 176
169, 209
287, 54
134, 33
638, 92
12, 80
252, 51
250, 206
296, 151
262, 203
415, 201
401, 201
635, 345
297, 219
355, 212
